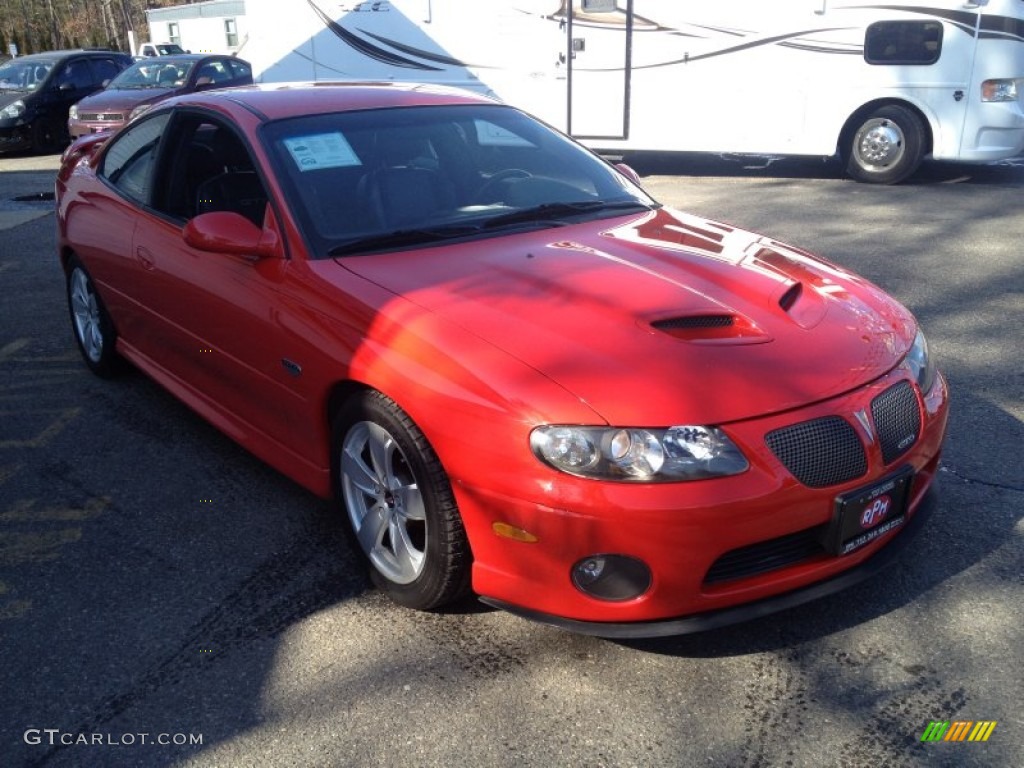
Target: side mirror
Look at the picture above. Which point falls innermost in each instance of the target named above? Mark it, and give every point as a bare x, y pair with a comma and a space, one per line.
229, 232
629, 173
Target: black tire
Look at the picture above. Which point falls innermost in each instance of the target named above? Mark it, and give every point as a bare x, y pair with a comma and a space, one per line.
91, 324
399, 504
46, 137
885, 145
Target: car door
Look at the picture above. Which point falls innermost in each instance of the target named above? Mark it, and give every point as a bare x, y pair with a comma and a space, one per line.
102, 220
73, 81
216, 316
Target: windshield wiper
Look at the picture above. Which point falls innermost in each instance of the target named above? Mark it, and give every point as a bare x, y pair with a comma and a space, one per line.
554, 212
403, 237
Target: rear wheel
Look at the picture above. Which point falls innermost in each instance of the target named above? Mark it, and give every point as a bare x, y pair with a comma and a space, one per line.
886, 145
399, 504
94, 331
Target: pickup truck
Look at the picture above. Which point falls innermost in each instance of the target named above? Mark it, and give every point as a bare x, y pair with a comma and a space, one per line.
147, 50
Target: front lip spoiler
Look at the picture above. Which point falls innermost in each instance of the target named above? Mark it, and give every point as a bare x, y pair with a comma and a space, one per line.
703, 622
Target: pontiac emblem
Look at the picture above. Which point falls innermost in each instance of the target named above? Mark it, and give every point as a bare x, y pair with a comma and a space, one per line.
865, 423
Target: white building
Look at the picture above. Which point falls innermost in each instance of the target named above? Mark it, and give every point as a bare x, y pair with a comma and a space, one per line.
215, 26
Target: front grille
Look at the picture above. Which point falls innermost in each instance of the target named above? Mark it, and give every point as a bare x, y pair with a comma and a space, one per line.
897, 419
102, 117
766, 556
820, 452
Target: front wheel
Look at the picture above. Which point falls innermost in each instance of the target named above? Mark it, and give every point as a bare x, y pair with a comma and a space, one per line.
399, 504
46, 137
885, 146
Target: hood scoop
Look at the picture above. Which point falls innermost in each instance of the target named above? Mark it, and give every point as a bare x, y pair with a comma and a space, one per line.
712, 328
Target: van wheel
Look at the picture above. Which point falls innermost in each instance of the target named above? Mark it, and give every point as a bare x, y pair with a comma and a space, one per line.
886, 146
399, 504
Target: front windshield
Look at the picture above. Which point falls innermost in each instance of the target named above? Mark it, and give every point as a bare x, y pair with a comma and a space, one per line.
402, 177
153, 73
18, 75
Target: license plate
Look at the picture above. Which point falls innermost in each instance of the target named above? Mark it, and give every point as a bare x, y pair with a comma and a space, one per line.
863, 515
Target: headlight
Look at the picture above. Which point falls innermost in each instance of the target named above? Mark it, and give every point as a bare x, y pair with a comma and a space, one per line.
999, 90
139, 110
13, 110
920, 363
73, 112
638, 455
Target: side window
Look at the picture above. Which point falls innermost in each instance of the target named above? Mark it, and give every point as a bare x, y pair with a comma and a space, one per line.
213, 72
210, 169
239, 69
903, 42
130, 161
105, 69
75, 75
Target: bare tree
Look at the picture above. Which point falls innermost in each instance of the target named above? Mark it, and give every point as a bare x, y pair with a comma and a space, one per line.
41, 25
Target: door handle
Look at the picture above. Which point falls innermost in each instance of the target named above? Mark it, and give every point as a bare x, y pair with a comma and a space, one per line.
145, 258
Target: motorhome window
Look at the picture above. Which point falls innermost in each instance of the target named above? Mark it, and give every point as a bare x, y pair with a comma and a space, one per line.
903, 42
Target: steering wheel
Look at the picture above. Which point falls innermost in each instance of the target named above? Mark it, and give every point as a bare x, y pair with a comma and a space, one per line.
489, 187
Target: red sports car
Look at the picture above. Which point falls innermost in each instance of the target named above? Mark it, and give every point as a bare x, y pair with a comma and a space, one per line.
517, 373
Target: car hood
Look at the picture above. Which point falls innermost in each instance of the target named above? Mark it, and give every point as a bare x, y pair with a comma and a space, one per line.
660, 319
9, 97
122, 99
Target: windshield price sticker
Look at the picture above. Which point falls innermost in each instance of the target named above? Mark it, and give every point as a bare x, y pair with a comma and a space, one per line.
322, 150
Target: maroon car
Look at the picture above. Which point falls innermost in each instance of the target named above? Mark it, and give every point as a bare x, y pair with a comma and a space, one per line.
146, 82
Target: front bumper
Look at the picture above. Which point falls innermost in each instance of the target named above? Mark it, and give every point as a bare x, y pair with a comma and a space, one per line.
79, 128
747, 612
685, 532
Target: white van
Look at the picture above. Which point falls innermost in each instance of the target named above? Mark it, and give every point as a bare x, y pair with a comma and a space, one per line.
883, 85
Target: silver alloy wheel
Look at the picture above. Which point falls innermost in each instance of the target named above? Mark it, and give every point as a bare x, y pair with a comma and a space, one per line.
879, 144
384, 502
86, 311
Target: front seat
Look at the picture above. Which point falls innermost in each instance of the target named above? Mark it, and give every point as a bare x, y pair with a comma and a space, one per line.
238, 188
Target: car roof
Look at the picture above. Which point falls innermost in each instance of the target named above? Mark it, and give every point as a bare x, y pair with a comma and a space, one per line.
64, 54
274, 101
173, 57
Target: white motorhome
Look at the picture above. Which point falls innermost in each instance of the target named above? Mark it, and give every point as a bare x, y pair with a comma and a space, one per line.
883, 85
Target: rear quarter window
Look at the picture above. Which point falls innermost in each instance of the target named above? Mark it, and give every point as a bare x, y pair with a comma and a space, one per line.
130, 160
903, 42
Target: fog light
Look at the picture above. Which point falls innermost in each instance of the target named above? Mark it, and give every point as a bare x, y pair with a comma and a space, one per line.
611, 577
